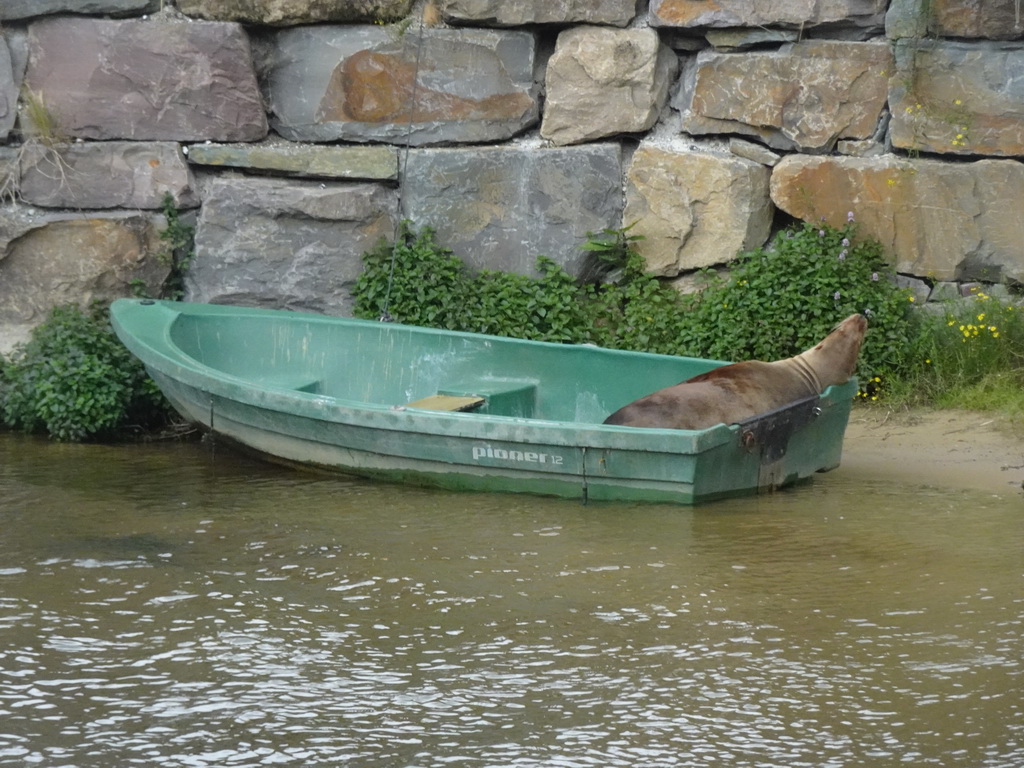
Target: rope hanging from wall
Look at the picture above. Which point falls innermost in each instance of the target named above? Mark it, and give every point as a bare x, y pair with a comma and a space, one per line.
385, 316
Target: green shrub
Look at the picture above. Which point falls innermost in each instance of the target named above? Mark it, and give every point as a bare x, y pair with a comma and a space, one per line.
548, 308
420, 282
778, 301
75, 380
414, 281
637, 311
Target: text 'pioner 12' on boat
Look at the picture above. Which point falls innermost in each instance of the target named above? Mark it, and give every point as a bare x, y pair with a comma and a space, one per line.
473, 412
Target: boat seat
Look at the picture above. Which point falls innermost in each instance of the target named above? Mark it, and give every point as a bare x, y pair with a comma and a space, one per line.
502, 397
448, 403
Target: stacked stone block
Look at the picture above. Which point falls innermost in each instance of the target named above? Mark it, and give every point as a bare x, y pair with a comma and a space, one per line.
302, 132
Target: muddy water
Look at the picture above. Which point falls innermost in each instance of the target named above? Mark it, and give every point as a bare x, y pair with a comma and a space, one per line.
174, 605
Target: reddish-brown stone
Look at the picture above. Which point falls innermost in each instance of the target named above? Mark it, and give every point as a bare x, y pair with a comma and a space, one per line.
944, 221
376, 87
684, 13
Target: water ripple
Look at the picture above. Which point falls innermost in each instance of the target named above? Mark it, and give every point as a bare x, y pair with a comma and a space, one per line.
226, 617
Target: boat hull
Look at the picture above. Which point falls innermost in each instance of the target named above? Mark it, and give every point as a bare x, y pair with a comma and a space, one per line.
300, 414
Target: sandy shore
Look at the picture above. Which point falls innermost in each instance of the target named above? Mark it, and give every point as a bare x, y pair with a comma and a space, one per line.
941, 449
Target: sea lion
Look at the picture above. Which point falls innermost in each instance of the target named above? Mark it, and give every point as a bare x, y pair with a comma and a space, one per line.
738, 391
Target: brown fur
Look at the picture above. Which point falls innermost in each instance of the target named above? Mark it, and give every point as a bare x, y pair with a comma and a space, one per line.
736, 392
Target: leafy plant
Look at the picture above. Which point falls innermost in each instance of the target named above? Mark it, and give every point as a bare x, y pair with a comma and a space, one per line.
778, 301
616, 250
43, 139
419, 282
75, 380
413, 281
547, 308
178, 249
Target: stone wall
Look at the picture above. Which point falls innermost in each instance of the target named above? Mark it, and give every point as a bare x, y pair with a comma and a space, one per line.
297, 133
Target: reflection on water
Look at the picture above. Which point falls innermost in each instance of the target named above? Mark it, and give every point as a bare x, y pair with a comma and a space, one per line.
174, 605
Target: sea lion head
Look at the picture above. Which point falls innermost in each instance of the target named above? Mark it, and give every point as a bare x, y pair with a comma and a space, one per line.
834, 359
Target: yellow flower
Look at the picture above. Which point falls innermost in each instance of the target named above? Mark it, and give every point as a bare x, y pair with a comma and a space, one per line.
995, 335
957, 102
981, 317
910, 299
928, 361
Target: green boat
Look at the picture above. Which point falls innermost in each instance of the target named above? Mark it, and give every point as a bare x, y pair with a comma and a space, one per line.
462, 411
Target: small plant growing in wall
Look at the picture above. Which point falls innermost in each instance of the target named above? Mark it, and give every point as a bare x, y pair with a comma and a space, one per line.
931, 120
42, 139
177, 251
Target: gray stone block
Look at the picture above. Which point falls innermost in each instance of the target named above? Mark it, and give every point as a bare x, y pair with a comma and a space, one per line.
13, 10
48, 259
501, 207
956, 97
286, 244
602, 82
503, 13
8, 90
109, 174
286, 12
377, 163
772, 95
154, 79
867, 17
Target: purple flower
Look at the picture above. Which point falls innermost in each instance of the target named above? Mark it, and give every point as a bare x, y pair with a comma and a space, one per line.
849, 216
874, 276
836, 296
868, 312
846, 242
842, 255
821, 233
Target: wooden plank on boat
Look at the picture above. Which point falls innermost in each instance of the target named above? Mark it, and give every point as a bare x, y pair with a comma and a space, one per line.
447, 403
